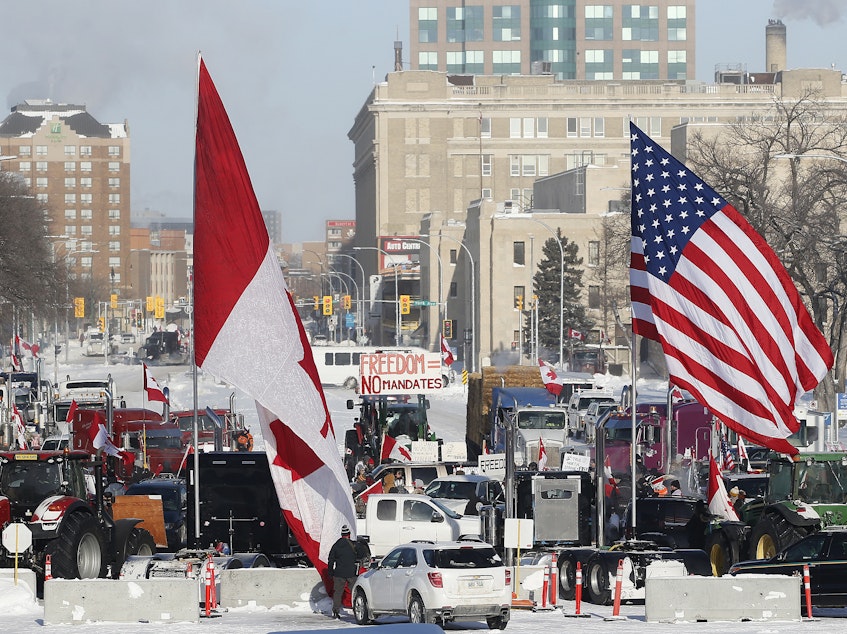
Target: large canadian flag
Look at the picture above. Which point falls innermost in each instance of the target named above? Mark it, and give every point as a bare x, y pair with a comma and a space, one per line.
719, 503
551, 380
248, 332
446, 352
100, 437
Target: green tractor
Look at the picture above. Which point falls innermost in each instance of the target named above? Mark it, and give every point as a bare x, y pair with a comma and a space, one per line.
805, 494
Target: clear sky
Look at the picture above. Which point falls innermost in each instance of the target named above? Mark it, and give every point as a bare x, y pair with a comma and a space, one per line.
293, 75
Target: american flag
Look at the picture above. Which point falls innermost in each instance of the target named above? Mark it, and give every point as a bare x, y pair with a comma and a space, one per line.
727, 462
732, 325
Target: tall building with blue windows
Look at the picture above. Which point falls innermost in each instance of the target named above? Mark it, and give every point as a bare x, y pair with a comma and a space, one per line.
570, 39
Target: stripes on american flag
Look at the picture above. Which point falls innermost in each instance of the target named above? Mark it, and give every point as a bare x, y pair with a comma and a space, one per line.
732, 325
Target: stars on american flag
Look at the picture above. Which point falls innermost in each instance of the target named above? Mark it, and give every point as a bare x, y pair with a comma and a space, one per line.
669, 206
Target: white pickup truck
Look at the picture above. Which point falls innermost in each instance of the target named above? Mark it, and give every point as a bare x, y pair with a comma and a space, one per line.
392, 519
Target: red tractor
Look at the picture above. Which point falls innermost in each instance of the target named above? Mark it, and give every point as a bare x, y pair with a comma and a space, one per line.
58, 498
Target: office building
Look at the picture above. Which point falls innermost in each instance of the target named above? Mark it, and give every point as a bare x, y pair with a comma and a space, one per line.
569, 39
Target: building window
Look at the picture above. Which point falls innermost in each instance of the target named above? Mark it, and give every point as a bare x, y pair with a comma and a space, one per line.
519, 253
599, 127
116, 277
572, 127
115, 230
454, 289
85, 262
85, 230
114, 150
114, 199
585, 126
599, 22
506, 62
506, 23
24, 150
114, 245
41, 182
85, 182
70, 150
427, 25
85, 166
485, 127
115, 262
41, 198
453, 256
486, 164
85, 150
86, 245
599, 64
25, 166
519, 294
427, 60
86, 199
70, 183
541, 123
114, 182
677, 24
114, 166
594, 253
86, 214
70, 230
70, 214
70, 199
114, 214
41, 166
41, 150
70, 166
677, 65
486, 192
594, 297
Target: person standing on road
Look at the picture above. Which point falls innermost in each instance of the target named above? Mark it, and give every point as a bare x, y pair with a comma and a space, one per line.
343, 565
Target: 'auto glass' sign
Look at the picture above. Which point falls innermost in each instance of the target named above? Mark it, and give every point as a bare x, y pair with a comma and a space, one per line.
386, 373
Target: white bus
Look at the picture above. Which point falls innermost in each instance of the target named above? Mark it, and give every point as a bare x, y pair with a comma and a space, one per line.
339, 365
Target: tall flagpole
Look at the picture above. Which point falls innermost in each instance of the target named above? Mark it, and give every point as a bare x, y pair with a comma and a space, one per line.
195, 434
634, 374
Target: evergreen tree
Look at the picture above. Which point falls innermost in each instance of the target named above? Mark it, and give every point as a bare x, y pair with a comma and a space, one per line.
546, 285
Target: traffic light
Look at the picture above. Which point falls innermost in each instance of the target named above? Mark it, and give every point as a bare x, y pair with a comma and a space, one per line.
79, 307
101, 322
159, 312
317, 302
151, 304
519, 302
347, 302
113, 300
405, 304
139, 319
447, 329
327, 305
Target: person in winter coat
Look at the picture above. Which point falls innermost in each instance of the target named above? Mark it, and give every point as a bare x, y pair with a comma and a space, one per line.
343, 565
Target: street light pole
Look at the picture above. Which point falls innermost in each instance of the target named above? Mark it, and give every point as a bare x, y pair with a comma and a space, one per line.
398, 322
442, 307
473, 294
362, 297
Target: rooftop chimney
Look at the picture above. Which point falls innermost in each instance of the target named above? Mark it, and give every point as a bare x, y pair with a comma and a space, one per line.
775, 45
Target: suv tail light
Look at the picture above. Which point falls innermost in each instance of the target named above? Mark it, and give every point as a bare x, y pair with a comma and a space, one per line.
435, 579
509, 577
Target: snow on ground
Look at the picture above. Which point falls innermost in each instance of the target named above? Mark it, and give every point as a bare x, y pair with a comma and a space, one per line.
20, 612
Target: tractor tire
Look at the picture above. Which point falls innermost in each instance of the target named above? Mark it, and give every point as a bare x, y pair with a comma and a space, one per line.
771, 534
597, 582
78, 552
567, 578
720, 553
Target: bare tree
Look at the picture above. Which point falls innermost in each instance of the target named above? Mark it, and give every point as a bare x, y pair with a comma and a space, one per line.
795, 204
30, 280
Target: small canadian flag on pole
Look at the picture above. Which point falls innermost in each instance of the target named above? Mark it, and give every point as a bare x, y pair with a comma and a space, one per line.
446, 352
151, 387
542, 455
393, 450
575, 334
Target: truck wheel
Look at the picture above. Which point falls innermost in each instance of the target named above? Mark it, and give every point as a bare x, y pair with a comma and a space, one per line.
567, 578
78, 552
720, 554
141, 543
597, 577
496, 623
771, 535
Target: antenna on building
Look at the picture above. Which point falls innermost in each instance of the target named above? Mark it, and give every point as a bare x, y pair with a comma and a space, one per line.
398, 55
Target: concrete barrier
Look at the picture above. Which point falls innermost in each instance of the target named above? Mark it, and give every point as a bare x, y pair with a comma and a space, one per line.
26, 577
527, 582
77, 601
268, 587
745, 597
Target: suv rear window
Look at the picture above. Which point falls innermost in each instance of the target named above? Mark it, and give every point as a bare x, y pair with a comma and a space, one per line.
462, 558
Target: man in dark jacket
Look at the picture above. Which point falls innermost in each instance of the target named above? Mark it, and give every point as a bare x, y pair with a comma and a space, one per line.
343, 565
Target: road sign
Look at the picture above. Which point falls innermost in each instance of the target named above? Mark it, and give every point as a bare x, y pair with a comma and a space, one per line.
17, 538
349, 320
423, 302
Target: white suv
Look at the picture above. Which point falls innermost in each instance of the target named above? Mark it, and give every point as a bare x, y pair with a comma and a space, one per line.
437, 582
